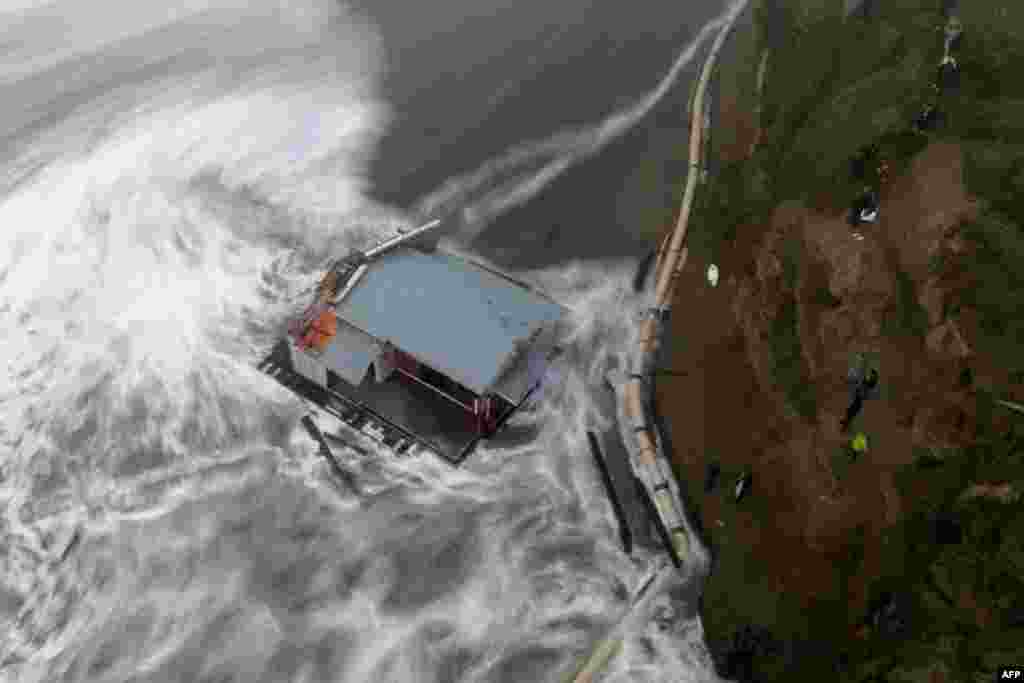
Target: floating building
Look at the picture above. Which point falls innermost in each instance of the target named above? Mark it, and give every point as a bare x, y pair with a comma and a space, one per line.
419, 347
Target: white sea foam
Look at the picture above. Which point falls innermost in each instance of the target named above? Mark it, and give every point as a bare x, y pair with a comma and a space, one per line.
171, 176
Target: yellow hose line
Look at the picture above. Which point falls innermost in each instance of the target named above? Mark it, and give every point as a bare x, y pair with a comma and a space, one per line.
676, 257
669, 263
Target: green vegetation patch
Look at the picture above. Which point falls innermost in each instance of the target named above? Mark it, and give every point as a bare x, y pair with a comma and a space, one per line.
865, 111
840, 462
789, 371
735, 79
823, 296
899, 148
995, 172
737, 196
906, 316
858, 80
999, 119
869, 47
790, 101
791, 257
996, 290
966, 637
991, 51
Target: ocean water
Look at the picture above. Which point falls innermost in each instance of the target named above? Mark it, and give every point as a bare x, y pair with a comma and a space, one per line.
170, 179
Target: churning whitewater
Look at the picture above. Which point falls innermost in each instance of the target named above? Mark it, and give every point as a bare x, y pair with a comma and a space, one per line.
172, 177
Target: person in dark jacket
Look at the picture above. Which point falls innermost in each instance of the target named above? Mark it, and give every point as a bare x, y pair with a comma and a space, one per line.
865, 209
948, 79
929, 119
863, 388
859, 164
711, 475
742, 487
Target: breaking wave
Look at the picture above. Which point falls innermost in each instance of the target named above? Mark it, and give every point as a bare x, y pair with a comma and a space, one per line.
171, 178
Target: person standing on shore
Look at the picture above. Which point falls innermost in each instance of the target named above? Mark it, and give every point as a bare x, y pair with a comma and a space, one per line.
863, 387
858, 446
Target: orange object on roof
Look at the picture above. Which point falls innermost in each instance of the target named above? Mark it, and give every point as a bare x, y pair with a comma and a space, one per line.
320, 332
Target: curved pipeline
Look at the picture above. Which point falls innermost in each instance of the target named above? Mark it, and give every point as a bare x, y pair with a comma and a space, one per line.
650, 463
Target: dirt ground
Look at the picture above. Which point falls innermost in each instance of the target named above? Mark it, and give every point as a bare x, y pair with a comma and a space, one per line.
797, 525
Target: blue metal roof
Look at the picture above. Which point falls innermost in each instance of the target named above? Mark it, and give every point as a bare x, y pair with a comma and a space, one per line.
453, 315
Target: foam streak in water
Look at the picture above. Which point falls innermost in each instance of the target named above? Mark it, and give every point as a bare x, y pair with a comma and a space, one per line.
153, 160
475, 199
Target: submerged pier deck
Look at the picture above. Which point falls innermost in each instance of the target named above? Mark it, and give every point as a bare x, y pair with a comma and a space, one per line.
419, 419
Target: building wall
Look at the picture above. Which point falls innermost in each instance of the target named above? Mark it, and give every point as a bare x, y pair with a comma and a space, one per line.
308, 366
385, 364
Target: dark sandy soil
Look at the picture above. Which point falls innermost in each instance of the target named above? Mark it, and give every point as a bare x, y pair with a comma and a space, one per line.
721, 337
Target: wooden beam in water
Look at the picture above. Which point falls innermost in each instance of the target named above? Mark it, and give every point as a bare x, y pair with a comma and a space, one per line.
624, 531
